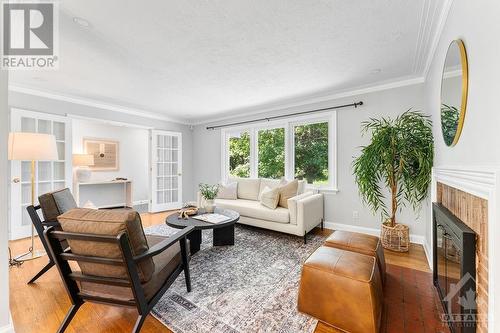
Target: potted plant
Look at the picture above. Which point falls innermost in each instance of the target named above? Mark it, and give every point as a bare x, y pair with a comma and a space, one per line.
209, 192
399, 157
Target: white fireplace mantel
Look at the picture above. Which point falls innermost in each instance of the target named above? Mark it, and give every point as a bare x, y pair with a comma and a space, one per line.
482, 182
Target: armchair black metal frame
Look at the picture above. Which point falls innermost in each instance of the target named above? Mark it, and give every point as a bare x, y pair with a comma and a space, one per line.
70, 278
40, 227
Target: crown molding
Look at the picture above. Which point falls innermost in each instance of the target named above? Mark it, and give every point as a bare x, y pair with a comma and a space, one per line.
432, 20
93, 103
445, 11
380, 86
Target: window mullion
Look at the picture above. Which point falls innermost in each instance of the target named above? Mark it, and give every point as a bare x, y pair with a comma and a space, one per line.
253, 153
289, 146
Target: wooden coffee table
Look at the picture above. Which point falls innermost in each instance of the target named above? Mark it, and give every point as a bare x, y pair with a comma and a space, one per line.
223, 232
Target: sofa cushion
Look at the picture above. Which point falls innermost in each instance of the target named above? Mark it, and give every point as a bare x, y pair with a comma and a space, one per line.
301, 188
288, 191
271, 183
253, 209
228, 191
109, 223
248, 188
270, 197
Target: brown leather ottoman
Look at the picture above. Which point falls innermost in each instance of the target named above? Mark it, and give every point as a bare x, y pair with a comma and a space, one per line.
360, 243
342, 289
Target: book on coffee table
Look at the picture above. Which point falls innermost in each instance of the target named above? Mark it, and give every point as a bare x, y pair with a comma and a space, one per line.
211, 218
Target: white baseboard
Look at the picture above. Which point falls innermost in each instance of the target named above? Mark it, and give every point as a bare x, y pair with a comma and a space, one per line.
140, 202
417, 239
428, 254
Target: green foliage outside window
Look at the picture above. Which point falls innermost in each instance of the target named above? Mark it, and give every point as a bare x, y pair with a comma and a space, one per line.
239, 155
271, 153
311, 153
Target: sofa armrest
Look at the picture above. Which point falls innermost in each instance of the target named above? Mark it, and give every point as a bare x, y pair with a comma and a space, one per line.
292, 206
310, 211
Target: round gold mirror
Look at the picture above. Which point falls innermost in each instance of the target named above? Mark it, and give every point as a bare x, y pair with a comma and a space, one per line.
454, 92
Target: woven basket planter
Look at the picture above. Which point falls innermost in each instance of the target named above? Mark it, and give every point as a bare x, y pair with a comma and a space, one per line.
395, 238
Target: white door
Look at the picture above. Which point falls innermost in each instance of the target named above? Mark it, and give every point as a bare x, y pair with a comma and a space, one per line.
49, 175
166, 171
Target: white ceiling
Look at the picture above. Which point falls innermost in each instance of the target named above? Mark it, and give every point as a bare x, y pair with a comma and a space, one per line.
192, 59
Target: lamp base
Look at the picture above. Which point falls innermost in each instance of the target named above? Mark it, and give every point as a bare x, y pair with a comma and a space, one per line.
30, 255
83, 174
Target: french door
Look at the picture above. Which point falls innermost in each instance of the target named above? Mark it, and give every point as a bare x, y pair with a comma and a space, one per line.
49, 175
166, 171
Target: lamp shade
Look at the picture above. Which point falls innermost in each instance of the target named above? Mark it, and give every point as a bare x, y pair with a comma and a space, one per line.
32, 147
83, 160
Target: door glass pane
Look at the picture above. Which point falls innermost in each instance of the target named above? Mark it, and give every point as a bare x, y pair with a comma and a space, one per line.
59, 185
175, 142
311, 153
175, 196
44, 171
175, 155
59, 171
159, 197
26, 194
61, 151
59, 131
239, 154
28, 125
44, 188
44, 126
25, 171
271, 148
168, 196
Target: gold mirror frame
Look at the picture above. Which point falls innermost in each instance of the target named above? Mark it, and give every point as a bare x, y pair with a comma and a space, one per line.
465, 88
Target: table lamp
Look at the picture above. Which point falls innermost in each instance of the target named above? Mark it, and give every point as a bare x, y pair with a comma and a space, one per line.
32, 147
82, 162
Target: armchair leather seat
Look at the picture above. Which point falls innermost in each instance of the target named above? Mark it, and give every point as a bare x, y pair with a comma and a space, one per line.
164, 264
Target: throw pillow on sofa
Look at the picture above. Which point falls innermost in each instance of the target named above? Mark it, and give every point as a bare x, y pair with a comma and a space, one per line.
228, 191
270, 197
288, 191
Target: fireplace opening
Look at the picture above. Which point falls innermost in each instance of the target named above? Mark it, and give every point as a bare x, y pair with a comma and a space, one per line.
454, 272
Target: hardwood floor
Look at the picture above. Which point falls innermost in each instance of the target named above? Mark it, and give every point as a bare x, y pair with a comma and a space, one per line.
42, 306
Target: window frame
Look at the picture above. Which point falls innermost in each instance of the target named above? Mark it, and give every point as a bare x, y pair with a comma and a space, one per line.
288, 124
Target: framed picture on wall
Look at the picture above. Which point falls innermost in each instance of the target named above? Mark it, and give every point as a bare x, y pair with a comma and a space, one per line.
106, 153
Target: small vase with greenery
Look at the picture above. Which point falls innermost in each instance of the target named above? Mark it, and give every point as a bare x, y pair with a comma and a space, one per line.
209, 192
399, 157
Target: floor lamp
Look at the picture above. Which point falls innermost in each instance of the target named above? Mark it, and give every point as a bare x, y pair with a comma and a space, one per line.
32, 147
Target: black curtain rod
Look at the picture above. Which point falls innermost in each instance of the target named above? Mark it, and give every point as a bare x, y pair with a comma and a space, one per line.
355, 105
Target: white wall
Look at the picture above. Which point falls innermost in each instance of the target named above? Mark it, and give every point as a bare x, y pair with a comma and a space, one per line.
477, 24
43, 104
339, 207
133, 152
5, 325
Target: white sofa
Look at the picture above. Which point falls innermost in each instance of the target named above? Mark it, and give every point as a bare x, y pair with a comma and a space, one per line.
304, 212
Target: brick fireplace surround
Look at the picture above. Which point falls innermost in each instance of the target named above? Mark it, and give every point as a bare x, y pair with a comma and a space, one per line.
471, 196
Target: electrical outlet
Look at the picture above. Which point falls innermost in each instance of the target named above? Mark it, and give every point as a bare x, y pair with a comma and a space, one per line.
355, 215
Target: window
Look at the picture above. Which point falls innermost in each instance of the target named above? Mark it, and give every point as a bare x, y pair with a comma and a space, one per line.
304, 148
271, 151
311, 153
239, 155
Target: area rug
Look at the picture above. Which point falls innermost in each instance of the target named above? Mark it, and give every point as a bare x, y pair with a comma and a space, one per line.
249, 287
